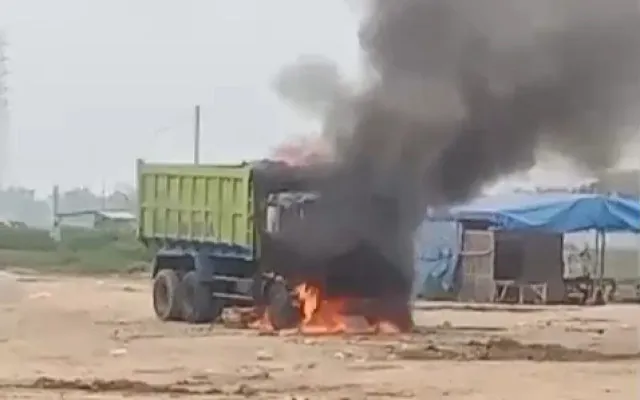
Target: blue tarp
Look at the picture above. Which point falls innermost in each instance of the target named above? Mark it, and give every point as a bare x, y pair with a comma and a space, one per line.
437, 245
554, 212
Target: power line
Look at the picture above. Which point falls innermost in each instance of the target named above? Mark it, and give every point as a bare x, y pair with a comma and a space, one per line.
168, 130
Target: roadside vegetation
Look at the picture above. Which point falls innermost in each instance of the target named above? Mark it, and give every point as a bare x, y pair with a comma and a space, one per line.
79, 251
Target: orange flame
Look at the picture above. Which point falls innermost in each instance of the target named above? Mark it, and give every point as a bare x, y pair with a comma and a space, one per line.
330, 316
321, 316
302, 150
327, 316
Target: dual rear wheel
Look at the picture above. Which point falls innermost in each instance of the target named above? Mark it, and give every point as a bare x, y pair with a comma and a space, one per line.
184, 298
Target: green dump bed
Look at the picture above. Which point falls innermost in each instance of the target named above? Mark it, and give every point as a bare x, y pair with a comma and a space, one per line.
196, 203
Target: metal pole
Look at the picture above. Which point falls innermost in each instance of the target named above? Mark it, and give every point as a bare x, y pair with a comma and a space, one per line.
56, 233
103, 196
603, 249
196, 137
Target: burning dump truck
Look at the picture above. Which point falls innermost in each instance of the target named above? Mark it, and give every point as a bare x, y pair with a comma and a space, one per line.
227, 236
460, 95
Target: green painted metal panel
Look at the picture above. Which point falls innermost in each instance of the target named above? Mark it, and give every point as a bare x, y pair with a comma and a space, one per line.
200, 203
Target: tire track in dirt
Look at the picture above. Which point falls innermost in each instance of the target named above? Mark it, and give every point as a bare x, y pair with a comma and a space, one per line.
505, 349
185, 388
124, 386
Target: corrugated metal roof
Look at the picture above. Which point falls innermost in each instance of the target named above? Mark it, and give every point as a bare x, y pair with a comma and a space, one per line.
117, 215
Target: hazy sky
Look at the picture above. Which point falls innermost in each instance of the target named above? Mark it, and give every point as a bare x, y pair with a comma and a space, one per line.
95, 84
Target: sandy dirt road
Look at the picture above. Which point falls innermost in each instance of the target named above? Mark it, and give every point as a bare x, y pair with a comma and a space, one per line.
90, 338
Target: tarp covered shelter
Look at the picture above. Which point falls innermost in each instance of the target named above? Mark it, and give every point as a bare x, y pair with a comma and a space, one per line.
551, 212
544, 212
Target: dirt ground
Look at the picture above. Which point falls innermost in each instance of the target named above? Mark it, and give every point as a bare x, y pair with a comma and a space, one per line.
94, 338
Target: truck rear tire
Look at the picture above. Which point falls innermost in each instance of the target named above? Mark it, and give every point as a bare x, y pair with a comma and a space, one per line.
282, 312
198, 304
166, 298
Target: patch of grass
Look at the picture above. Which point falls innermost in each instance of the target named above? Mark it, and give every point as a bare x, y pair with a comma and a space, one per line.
26, 239
79, 251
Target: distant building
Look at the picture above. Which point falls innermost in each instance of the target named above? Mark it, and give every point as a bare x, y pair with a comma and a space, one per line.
7, 223
114, 220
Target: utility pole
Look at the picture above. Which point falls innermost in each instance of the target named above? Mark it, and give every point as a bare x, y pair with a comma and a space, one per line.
55, 233
103, 196
196, 136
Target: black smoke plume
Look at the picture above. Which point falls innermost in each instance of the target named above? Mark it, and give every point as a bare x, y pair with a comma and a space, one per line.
462, 92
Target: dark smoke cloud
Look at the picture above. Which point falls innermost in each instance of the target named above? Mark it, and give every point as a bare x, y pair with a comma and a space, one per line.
505, 77
313, 85
463, 93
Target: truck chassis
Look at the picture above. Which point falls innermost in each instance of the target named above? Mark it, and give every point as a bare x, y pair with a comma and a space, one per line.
195, 285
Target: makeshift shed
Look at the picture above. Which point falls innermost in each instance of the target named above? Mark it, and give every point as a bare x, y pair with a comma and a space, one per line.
517, 239
108, 220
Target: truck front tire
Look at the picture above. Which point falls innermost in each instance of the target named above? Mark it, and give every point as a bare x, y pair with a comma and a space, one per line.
281, 310
166, 298
198, 304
